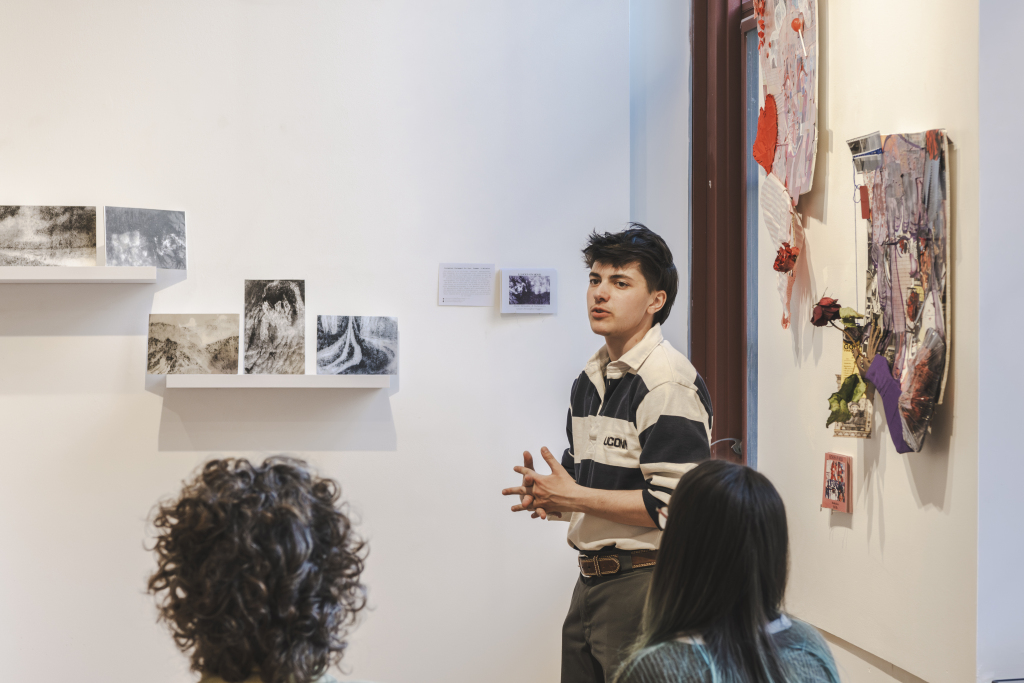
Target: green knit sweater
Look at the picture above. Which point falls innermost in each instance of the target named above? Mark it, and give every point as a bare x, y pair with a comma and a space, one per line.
804, 653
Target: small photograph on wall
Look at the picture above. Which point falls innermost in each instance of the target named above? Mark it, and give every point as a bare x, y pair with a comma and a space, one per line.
529, 290
145, 237
199, 344
837, 493
275, 332
356, 345
47, 235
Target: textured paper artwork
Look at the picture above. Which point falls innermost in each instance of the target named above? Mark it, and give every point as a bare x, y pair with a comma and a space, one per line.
787, 235
356, 345
145, 237
908, 266
788, 52
47, 235
529, 290
202, 344
275, 332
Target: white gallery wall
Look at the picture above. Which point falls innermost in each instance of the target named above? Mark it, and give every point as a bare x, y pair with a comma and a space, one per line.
356, 145
659, 138
896, 580
1000, 539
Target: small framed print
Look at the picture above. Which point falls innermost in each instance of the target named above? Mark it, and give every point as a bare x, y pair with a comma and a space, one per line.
529, 290
837, 491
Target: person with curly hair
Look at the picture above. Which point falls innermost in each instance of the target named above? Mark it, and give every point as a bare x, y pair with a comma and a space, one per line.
258, 572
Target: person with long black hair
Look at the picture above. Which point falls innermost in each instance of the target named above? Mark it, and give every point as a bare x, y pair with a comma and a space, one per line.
714, 608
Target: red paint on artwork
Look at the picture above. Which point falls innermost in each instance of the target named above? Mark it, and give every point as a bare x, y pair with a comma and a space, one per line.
913, 305
865, 203
767, 134
933, 143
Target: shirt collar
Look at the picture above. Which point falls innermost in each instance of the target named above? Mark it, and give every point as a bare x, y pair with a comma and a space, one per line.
630, 361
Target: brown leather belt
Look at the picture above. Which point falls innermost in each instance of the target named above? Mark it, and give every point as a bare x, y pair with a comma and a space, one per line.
605, 565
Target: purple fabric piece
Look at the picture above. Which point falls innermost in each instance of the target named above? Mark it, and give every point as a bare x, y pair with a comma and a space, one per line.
880, 375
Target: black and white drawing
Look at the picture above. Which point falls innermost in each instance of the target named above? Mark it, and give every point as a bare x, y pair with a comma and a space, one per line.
201, 344
145, 237
354, 345
275, 333
528, 290
47, 235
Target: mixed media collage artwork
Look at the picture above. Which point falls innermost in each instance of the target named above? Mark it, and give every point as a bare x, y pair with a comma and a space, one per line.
905, 197
47, 235
201, 344
356, 345
837, 490
787, 127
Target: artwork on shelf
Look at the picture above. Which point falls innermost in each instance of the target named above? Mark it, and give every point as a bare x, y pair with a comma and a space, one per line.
275, 332
907, 190
529, 290
356, 345
200, 344
47, 235
788, 53
145, 237
837, 491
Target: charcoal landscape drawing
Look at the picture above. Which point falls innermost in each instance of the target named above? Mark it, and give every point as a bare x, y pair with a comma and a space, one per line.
275, 334
145, 237
47, 235
352, 345
526, 290
204, 344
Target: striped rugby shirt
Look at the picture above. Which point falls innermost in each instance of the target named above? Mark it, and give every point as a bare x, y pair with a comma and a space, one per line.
639, 422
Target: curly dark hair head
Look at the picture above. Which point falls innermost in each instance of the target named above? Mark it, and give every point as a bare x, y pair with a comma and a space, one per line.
258, 571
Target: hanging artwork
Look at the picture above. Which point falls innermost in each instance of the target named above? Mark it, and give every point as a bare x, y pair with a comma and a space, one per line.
907, 190
356, 345
47, 235
787, 235
837, 490
788, 50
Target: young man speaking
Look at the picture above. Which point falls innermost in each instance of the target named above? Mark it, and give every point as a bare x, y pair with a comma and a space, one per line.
639, 417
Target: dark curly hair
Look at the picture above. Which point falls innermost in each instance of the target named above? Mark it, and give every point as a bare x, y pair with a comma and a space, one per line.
258, 571
640, 245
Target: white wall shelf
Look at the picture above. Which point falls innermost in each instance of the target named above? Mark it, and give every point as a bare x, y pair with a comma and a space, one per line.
278, 381
77, 275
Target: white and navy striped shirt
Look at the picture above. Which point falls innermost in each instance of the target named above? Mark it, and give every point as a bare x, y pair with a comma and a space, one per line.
639, 422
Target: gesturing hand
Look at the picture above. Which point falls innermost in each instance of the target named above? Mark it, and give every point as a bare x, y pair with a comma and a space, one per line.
548, 494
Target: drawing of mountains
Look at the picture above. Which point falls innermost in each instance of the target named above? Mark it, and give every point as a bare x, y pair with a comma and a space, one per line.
180, 349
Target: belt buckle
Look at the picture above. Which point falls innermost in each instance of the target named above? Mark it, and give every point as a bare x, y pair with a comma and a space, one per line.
596, 559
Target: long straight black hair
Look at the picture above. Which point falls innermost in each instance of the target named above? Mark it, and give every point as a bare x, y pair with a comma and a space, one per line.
721, 571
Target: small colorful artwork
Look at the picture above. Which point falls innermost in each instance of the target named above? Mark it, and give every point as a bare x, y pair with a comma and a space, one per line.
788, 49
837, 492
